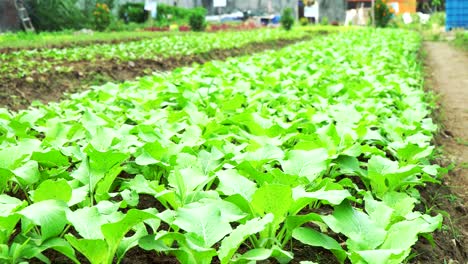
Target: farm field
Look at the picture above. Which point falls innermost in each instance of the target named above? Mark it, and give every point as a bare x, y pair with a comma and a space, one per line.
318, 152
34, 73
10, 42
29, 62
323, 144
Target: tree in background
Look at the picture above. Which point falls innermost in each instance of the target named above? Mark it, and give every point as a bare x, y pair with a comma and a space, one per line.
383, 13
436, 4
197, 20
102, 17
53, 15
90, 5
287, 18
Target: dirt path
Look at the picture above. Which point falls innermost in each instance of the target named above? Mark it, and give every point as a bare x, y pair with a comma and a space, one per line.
450, 80
447, 70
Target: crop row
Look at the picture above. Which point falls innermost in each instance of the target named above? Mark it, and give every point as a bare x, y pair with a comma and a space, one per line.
26, 62
322, 143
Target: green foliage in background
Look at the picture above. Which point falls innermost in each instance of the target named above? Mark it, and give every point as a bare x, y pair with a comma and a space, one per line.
53, 15
89, 6
101, 17
134, 12
461, 39
324, 21
173, 14
383, 13
287, 19
197, 20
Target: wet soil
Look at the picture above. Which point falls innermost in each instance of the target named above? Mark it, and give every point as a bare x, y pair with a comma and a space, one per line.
18, 94
447, 75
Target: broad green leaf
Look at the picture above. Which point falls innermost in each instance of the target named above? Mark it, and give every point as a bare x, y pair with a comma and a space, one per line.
9, 204
309, 164
12, 156
7, 226
28, 174
188, 250
256, 254
294, 221
259, 254
403, 235
205, 221
349, 165
313, 238
115, 232
275, 199
379, 212
230, 244
188, 179
331, 196
78, 195
97, 165
103, 187
130, 241
151, 153
231, 183
362, 231
60, 245
51, 158
142, 185
53, 190
87, 222
49, 215
5, 177
401, 203
381, 256
95, 250
265, 153
385, 175
158, 242
101, 138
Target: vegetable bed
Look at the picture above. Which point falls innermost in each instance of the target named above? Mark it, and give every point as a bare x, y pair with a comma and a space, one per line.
321, 143
23, 63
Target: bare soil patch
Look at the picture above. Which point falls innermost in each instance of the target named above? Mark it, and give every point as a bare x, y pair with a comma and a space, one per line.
18, 94
447, 76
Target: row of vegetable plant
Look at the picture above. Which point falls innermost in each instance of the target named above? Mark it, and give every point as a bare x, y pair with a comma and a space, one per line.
27, 62
323, 143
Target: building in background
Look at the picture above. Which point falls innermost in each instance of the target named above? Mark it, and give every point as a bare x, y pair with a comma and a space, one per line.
332, 10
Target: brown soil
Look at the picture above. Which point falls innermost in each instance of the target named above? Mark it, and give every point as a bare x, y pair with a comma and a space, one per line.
447, 70
19, 93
